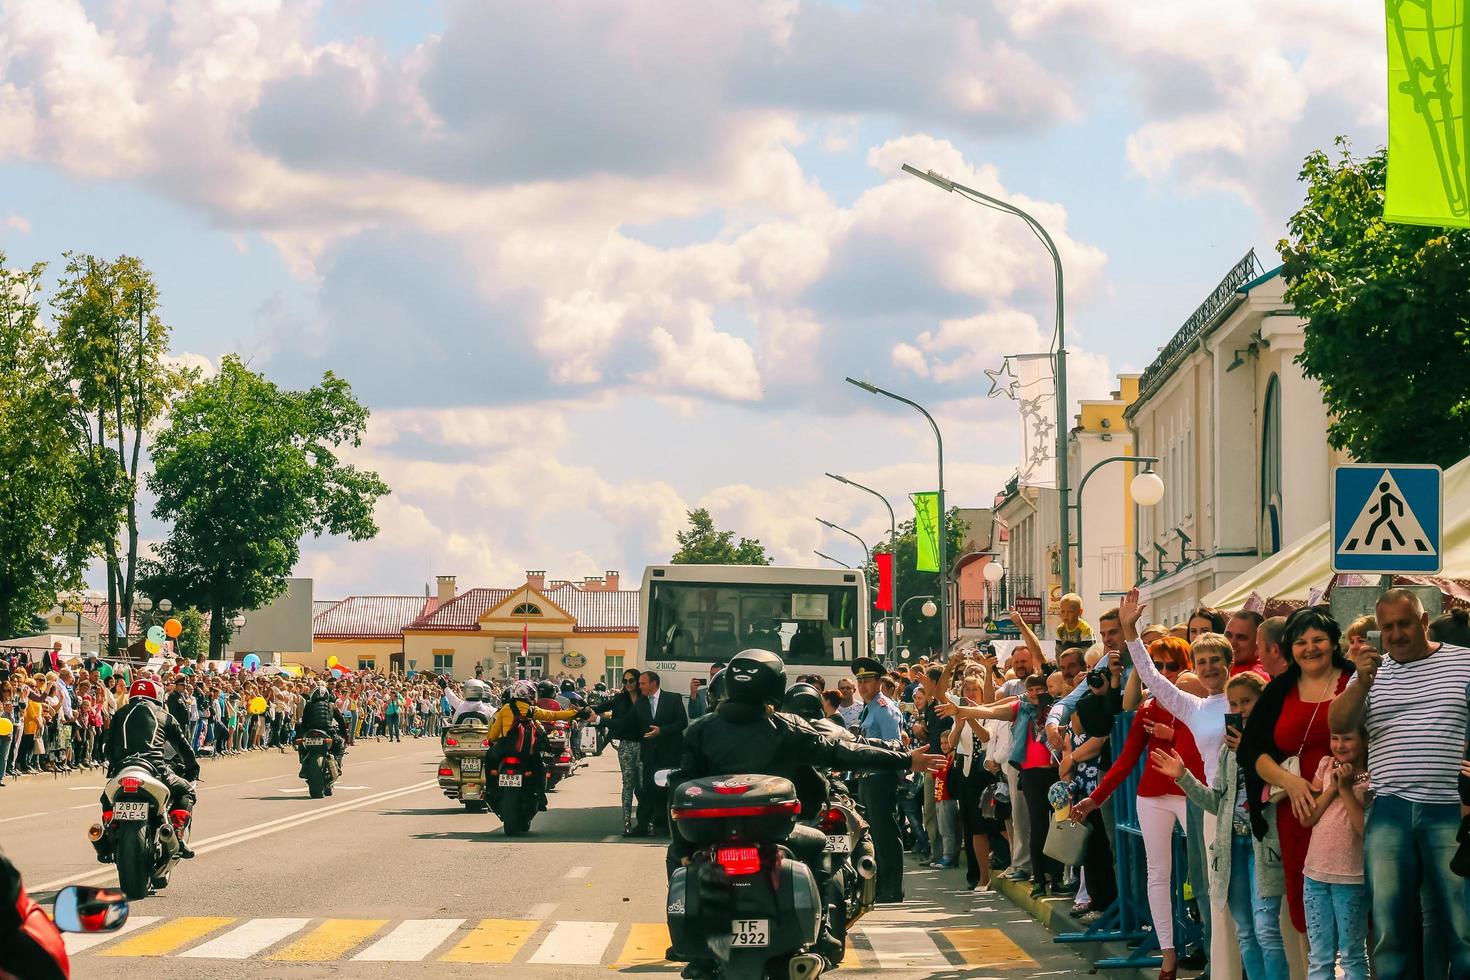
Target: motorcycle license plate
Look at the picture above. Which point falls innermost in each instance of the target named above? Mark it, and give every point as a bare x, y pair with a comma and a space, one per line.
837, 844
130, 810
750, 932
313, 742
510, 779
470, 765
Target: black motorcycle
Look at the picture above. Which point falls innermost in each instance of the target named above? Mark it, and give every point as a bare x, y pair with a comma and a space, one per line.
318, 764
743, 900
511, 791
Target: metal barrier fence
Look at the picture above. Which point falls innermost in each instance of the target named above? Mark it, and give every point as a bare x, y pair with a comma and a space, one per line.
1128, 919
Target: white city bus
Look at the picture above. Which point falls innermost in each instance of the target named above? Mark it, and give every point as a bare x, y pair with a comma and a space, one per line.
816, 619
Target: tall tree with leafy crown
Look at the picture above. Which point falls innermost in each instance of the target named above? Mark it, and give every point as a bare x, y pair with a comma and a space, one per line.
702, 544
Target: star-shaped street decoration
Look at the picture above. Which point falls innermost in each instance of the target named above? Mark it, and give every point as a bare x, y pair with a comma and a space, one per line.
1031, 406
1043, 427
1039, 455
998, 386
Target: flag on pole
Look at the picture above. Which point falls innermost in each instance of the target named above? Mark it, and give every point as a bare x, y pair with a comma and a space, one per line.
884, 600
926, 529
1428, 155
525, 637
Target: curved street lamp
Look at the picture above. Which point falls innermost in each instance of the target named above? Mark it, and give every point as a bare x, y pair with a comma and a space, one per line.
835, 561
892, 536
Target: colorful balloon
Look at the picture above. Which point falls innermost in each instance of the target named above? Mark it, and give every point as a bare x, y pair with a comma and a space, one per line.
173, 628
252, 661
332, 661
104, 671
257, 705
151, 646
337, 673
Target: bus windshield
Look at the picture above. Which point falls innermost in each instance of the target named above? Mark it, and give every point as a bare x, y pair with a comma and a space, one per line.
709, 621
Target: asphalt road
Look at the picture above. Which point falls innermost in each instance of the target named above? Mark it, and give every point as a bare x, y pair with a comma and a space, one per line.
388, 872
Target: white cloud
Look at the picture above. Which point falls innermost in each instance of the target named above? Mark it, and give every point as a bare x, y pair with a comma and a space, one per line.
17, 222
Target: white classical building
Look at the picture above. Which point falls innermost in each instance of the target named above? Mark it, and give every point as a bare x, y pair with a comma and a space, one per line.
1241, 437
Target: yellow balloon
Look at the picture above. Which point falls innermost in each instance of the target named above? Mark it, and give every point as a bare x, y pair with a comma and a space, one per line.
332, 661
151, 647
6, 727
257, 705
173, 628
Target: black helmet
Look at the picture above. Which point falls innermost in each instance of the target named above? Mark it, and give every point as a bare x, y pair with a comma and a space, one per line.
567, 685
320, 693
546, 689
600, 687
804, 701
755, 677
718, 690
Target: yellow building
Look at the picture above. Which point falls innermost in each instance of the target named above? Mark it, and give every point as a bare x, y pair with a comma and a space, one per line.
364, 632
589, 630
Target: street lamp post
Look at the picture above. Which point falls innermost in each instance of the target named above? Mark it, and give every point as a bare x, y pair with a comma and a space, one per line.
928, 609
892, 538
867, 553
835, 561
993, 571
1063, 479
943, 516
1146, 489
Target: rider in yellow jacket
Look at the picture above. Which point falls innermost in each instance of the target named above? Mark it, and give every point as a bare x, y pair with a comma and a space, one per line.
520, 702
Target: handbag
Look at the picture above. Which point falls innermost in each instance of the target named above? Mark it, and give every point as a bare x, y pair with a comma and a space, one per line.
1293, 764
1067, 841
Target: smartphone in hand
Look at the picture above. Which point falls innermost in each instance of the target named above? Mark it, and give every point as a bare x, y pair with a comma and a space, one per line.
1233, 720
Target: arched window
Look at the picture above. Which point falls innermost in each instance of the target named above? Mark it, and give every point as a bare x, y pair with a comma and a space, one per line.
1271, 469
526, 609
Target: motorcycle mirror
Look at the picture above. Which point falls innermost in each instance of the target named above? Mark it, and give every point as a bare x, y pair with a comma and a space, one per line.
82, 909
661, 778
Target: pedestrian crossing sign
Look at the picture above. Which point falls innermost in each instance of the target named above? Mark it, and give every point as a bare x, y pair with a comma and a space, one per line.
1386, 518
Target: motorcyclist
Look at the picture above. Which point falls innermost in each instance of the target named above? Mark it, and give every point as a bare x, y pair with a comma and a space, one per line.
139, 733
744, 735
546, 697
521, 704
478, 702
568, 688
321, 714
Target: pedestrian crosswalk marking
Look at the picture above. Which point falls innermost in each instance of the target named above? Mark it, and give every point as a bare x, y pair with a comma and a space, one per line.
504, 941
246, 940
166, 938
330, 940
985, 947
492, 941
78, 941
575, 942
646, 944
904, 947
410, 941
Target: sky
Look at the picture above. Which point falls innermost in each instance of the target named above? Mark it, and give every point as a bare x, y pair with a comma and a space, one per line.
593, 263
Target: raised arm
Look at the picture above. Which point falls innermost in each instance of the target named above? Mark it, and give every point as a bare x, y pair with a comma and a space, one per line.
1180, 704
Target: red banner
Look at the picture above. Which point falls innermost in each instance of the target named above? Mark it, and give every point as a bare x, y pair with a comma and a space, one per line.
883, 602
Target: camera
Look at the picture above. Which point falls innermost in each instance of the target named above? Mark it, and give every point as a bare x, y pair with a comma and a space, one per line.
1098, 676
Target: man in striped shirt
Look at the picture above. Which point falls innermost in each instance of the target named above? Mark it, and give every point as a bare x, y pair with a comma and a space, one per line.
1413, 706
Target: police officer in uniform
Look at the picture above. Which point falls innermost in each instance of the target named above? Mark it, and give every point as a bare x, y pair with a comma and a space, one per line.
878, 791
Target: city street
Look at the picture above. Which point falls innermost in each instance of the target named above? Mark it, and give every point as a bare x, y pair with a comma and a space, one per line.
387, 872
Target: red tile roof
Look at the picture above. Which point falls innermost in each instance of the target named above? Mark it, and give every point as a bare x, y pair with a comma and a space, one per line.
594, 612
366, 617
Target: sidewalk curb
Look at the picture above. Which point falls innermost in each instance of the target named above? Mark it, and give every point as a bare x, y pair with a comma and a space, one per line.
1055, 914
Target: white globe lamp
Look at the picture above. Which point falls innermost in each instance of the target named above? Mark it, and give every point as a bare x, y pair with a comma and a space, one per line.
994, 572
929, 608
1147, 489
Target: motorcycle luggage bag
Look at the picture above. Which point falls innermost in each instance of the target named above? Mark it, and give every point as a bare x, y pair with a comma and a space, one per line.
794, 909
751, 807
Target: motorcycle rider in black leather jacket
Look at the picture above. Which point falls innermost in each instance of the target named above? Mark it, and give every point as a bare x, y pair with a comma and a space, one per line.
744, 735
140, 732
321, 714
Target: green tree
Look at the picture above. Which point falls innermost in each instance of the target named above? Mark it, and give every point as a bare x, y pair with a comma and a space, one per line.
703, 545
46, 531
920, 633
113, 348
244, 471
1388, 315
193, 641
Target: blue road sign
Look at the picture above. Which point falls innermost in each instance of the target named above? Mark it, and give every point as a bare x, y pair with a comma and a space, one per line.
1387, 518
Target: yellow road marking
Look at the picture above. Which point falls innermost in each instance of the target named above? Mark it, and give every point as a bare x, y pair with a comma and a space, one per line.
164, 939
986, 947
492, 941
329, 940
646, 945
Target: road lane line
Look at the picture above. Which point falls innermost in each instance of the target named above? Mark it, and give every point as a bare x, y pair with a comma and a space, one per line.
410, 941
578, 872
541, 910
329, 940
78, 941
647, 942
28, 816
904, 947
169, 937
492, 941
249, 833
986, 947
247, 940
575, 942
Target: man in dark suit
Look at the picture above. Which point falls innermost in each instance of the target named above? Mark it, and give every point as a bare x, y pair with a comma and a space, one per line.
662, 719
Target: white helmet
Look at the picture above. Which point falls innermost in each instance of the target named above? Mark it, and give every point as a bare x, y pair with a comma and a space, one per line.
521, 691
476, 690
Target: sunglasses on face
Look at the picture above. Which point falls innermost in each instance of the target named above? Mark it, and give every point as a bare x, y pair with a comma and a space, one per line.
1162, 667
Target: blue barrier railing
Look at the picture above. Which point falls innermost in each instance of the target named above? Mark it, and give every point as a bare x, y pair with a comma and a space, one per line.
1128, 919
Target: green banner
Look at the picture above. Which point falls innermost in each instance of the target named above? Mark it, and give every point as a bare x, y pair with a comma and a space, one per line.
1428, 145
926, 529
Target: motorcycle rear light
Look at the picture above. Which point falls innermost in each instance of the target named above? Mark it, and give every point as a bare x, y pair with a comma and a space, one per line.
451, 741
833, 820
446, 771
107, 816
723, 812
565, 757
179, 817
484, 743
510, 760
130, 784
732, 790
739, 860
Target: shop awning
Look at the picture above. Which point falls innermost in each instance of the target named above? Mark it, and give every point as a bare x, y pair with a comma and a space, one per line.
1306, 563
